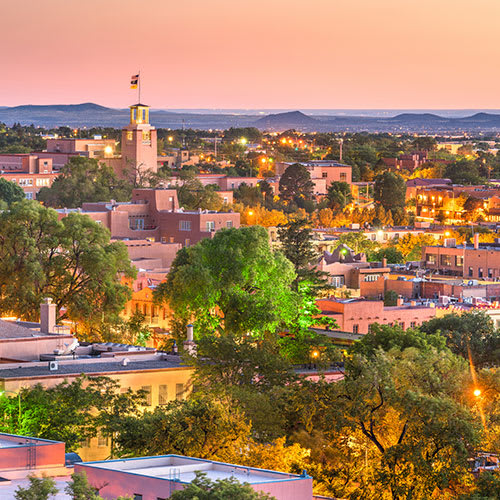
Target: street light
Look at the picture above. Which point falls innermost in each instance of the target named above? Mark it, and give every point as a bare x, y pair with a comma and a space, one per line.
477, 392
18, 394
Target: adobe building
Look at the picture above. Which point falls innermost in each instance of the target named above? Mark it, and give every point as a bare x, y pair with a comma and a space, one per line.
351, 272
480, 261
155, 215
357, 315
153, 478
30, 172
323, 173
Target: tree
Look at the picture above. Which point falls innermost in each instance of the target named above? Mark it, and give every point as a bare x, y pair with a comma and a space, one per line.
80, 489
200, 427
470, 335
84, 180
248, 195
338, 195
410, 245
358, 242
390, 298
296, 185
390, 253
201, 488
464, 172
297, 245
70, 411
70, 260
10, 192
231, 283
194, 195
408, 405
390, 190
40, 488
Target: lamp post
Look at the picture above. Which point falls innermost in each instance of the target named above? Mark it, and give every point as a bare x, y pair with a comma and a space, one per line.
18, 394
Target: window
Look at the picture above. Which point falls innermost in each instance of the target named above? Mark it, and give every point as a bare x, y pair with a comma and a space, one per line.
130, 135
137, 496
490, 272
480, 272
147, 394
26, 182
471, 272
229, 223
163, 395
430, 258
187, 242
374, 237
179, 392
355, 328
459, 260
343, 177
146, 135
402, 324
413, 324
446, 260
185, 225
29, 196
210, 225
371, 277
102, 441
43, 182
337, 281
324, 175
225, 200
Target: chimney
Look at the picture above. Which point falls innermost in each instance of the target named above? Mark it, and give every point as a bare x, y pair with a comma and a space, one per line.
189, 343
47, 316
384, 262
476, 241
190, 336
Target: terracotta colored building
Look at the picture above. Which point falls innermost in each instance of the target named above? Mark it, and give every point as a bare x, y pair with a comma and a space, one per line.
350, 271
154, 214
480, 261
357, 316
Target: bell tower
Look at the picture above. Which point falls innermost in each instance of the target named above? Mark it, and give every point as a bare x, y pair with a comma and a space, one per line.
139, 148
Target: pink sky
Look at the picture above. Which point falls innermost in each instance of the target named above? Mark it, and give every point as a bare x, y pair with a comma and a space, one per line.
253, 54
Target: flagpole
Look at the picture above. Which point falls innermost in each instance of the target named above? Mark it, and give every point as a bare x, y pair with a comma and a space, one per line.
139, 87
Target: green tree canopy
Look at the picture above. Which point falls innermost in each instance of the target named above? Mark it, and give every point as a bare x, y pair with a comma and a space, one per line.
70, 260
469, 334
39, 488
84, 180
296, 185
338, 195
390, 190
10, 192
202, 488
232, 283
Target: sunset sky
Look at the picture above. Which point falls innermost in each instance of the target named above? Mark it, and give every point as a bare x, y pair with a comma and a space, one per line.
253, 54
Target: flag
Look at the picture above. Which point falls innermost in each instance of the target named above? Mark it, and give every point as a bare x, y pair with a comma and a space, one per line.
134, 80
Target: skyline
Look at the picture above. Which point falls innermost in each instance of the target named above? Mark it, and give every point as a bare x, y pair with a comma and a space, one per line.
240, 55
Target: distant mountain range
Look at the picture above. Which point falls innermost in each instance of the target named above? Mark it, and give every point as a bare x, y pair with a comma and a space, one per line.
90, 114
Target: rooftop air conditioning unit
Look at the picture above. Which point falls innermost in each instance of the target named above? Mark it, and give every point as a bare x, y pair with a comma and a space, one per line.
53, 366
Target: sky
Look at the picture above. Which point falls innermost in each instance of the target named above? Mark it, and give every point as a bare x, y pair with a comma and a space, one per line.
290, 54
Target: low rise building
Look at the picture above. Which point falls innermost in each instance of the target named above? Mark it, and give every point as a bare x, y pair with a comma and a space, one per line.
358, 315
155, 215
154, 478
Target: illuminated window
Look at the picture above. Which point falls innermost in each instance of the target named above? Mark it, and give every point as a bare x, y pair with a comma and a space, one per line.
430, 258
459, 260
146, 135
130, 135
343, 176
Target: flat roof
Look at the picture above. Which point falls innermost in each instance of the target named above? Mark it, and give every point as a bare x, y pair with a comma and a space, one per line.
15, 441
27, 370
183, 469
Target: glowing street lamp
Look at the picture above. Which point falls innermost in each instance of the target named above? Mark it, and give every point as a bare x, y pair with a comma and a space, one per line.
477, 392
243, 140
170, 138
